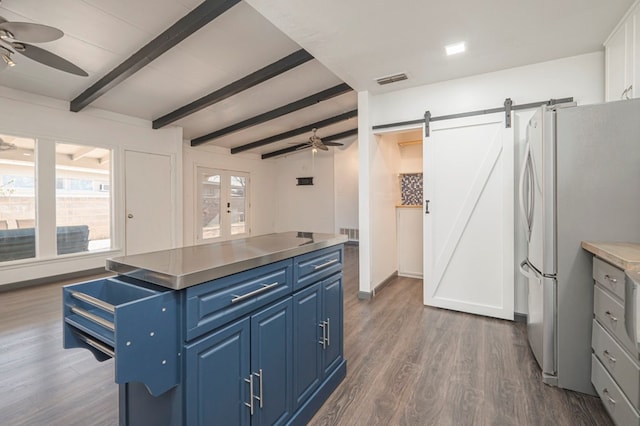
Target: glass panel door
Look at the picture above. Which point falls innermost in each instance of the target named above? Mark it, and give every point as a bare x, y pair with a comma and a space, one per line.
210, 204
223, 205
238, 204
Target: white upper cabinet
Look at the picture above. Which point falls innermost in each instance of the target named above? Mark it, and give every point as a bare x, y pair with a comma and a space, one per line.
622, 57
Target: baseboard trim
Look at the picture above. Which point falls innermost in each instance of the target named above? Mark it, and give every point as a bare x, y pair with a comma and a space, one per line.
50, 279
518, 317
368, 295
364, 295
384, 283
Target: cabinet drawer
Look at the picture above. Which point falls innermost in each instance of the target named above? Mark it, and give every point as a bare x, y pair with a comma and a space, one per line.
612, 397
617, 362
609, 277
610, 313
215, 303
313, 267
129, 320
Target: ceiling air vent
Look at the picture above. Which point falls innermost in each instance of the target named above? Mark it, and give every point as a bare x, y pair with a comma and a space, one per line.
391, 79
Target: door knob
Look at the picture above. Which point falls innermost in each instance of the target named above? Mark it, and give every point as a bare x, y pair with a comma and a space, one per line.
130, 216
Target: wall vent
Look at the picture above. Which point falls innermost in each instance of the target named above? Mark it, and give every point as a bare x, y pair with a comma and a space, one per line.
391, 79
353, 234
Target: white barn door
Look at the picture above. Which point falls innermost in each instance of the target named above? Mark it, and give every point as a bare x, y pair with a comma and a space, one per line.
468, 232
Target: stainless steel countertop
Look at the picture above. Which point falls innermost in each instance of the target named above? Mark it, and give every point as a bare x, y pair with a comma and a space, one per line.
187, 266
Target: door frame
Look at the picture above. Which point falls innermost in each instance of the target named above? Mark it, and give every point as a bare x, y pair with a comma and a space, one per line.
120, 204
224, 236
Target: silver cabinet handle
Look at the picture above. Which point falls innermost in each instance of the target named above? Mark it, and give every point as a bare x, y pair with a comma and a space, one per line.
605, 391
611, 280
264, 288
608, 356
608, 313
93, 301
259, 398
250, 403
323, 341
328, 332
93, 318
316, 267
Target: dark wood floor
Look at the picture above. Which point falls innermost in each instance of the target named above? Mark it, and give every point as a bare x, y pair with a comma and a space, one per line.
407, 365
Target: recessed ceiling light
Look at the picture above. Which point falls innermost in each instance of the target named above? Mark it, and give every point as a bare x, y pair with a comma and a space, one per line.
455, 48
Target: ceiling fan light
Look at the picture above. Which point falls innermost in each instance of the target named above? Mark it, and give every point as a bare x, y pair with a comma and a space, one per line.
5, 35
7, 59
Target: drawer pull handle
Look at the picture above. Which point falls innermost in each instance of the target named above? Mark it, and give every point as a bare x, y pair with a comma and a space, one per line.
611, 280
99, 346
93, 301
316, 267
608, 313
608, 356
265, 287
605, 391
93, 318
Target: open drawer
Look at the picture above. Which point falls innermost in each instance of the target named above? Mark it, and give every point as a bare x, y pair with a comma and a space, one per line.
134, 322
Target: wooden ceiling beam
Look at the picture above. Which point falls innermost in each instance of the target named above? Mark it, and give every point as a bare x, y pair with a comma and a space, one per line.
302, 146
295, 132
270, 71
206, 12
275, 113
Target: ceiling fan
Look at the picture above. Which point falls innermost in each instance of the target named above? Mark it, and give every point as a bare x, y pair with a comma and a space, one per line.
316, 143
16, 36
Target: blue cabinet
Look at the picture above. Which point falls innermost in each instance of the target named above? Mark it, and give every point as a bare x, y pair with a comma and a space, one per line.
242, 374
317, 331
243, 349
216, 367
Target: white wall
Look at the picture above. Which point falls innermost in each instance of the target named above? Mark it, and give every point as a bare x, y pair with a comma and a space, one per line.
345, 174
581, 77
50, 121
263, 190
411, 159
305, 208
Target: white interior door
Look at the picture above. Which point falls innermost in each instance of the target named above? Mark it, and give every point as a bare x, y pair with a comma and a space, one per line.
468, 232
148, 202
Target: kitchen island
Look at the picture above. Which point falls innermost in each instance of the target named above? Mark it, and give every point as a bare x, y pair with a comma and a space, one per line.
240, 332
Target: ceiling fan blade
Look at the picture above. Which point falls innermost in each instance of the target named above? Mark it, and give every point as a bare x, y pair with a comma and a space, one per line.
50, 59
33, 33
321, 146
333, 143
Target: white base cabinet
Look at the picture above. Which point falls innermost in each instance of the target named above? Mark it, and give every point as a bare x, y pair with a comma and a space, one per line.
615, 369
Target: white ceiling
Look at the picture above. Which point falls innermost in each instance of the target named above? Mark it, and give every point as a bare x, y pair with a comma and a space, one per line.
354, 41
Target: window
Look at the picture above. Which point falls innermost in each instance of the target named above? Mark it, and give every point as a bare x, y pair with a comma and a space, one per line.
223, 204
83, 199
33, 224
17, 198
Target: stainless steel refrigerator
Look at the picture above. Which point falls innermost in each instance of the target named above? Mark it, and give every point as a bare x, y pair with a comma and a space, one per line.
580, 180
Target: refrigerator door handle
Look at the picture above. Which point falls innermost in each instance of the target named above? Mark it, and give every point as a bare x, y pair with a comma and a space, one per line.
525, 185
528, 272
